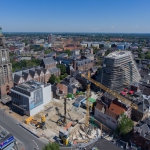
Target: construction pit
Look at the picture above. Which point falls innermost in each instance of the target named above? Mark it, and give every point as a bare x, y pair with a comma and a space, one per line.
75, 119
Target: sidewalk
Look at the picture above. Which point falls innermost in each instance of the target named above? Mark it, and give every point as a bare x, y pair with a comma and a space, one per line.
16, 116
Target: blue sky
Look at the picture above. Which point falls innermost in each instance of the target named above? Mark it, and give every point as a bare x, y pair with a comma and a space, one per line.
111, 16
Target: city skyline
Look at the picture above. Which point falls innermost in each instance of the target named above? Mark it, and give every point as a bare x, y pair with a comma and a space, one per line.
88, 16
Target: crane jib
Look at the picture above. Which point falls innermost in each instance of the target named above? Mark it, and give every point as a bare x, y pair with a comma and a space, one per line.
124, 100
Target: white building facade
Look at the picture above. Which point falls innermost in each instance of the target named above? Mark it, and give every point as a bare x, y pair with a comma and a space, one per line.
29, 98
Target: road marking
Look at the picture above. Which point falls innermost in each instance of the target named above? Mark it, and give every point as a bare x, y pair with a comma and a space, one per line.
37, 147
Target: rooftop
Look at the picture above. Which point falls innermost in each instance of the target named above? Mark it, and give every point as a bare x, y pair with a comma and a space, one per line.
4, 135
29, 86
103, 144
116, 109
118, 54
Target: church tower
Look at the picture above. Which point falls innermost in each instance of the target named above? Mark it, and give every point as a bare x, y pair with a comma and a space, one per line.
6, 82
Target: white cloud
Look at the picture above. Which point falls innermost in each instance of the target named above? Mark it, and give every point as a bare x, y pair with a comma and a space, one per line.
112, 26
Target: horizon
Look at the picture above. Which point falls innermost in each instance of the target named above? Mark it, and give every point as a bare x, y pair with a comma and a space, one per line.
77, 32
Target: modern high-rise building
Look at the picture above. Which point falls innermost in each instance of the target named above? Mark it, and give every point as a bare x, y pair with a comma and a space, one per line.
119, 70
6, 82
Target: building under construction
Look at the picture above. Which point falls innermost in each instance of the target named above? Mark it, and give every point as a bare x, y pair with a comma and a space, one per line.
119, 70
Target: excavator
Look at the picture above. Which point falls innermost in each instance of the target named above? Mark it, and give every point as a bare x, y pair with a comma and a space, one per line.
42, 123
38, 124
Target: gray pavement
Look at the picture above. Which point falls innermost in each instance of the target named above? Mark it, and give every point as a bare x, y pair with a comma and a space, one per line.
28, 140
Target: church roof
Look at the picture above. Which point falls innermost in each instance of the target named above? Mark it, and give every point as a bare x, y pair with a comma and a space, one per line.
16, 78
48, 60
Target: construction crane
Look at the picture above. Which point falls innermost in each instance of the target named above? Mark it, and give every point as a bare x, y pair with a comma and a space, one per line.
65, 103
115, 94
88, 94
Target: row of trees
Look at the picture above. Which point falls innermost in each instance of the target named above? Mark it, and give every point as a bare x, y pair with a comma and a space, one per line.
24, 64
36, 62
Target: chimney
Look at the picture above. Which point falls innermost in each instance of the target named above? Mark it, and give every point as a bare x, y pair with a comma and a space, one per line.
74, 63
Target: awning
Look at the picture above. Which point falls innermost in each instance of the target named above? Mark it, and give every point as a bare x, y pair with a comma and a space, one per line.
123, 93
131, 92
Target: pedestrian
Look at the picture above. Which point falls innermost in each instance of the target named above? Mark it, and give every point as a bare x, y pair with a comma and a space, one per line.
3, 114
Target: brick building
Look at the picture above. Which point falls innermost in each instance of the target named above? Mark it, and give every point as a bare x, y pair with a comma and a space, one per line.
59, 90
109, 114
50, 64
6, 82
141, 136
39, 73
83, 64
35, 73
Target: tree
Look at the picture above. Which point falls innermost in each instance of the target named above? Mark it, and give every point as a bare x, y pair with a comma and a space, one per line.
62, 68
52, 146
57, 79
107, 52
140, 55
26, 42
125, 125
147, 56
95, 50
63, 76
24, 64
48, 51
54, 79
68, 52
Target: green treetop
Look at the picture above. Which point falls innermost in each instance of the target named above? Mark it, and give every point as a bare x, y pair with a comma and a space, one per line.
125, 125
51, 146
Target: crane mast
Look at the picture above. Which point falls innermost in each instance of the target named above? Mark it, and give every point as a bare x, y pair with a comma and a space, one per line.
88, 94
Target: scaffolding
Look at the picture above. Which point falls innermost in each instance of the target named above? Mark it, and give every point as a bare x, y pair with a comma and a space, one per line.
118, 71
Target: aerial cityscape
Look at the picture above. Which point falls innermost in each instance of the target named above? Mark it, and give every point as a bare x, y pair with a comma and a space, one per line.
74, 75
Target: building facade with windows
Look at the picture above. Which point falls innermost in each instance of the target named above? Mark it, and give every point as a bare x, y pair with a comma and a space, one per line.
6, 82
33, 73
119, 70
29, 98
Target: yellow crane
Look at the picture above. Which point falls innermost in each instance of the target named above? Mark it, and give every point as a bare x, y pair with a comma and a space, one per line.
88, 94
113, 93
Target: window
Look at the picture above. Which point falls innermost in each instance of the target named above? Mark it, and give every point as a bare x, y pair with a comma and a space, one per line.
5, 71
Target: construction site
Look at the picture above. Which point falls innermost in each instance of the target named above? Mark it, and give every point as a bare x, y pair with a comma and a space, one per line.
67, 124
57, 123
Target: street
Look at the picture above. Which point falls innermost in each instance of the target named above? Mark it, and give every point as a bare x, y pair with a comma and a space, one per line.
10, 124
28, 140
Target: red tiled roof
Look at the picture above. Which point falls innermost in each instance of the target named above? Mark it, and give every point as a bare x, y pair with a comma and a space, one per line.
61, 87
12, 48
116, 109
